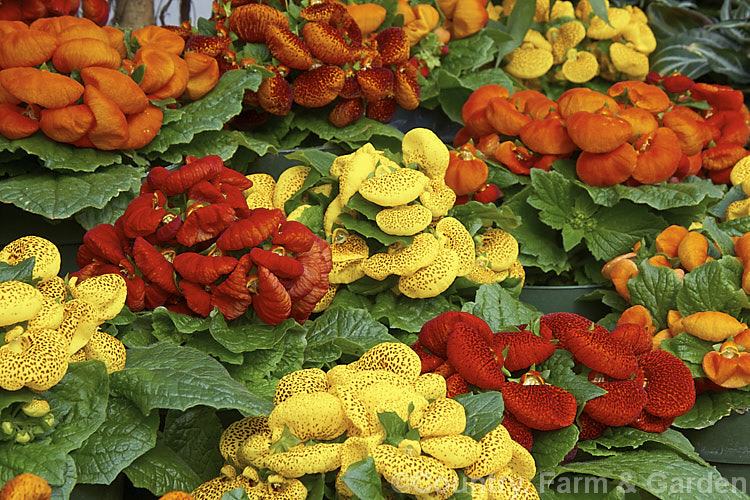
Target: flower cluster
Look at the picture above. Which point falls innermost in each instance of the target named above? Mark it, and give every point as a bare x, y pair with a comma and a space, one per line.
575, 45
635, 133
91, 63
332, 61
189, 242
31, 10
645, 389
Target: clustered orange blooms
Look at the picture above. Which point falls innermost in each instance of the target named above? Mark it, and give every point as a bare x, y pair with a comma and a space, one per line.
90, 99
31, 10
635, 133
464, 17
337, 58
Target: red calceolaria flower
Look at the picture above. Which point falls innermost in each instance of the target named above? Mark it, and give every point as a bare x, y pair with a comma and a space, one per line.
634, 336
429, 360
622, 403
524, 349
651, 423
473, 357
597, 350
455, 385
668, 383
519, 432
434, 333
588, 428
168, 246
539, 405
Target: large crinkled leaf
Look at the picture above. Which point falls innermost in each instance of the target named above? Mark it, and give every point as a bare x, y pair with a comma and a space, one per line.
206, 343
161, 470
484, 412
363, 479
55, 155
452, 94
354, 135
79, 403
560, 366
401, 312
91, 217
613, 231
343, 331
175, 327
126, 434
193, 435
468, 54
713, 286
678, 57
210, 112
223, 143
58, 196
494, 76
662, 472
615, 438
498, 307
164, 375
551, 447
656, 288
687, 347
62, 491
247, 335
662, 196
711, 407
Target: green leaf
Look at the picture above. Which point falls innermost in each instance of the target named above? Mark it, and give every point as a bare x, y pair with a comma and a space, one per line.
62, 491
674, 56
7, 398
316, 158
363, 206
468, 54
520, 19
561, 374
364, 481
395, 427
79, 403
710, 407
58, 196
316, 486
628, 437
600, 9
236, 494
210, 112
553, 196
494, 76
687, 347
722, 239
484, 412
164, 375
662, 196
91, 217
223, 143
206, 343
452, 94
712, 287
369, 229
244, 335
161, 470
193, 435
663, 473
23, 271
338, 331
55, 155
473, 215
353, 136
550, 447
175, 327
495, 305
617, 229
126, 430
401, 312
656, 288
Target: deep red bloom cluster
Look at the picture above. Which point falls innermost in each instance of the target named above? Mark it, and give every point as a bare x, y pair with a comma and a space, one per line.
190, 243
645, 389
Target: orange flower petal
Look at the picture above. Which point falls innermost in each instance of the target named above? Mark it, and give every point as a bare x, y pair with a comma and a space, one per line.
722, 156
46, 89
659, 155
320, 86
143, 127
110, 129
640, 120
669, 239
584, 99
203, 73
469, 17
84, 52
68, 124
548, 137
642, 95
606, 169
504, 117
10, 26
116, 40
6, 97
689, 127
473, 110
117, 86
176, 84
368, 16
86, 29
14, 124
161, 38
598, 132
57, 25
159, 68
26, 48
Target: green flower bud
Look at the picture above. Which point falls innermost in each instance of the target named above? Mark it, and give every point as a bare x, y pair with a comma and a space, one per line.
7, 427
23, 437
36, 408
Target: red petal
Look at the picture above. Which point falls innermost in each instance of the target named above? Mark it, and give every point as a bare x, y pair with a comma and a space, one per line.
473, 358
634, 336
383, 110
669, 384
346, 111
294, 237
434, 333
317, 87
524, 349
143, 215
429, 360
205, 223
327, 43
288, 48
588, 428
198, 299
600, 352
275, 95
272, 304
519, 432
393, 46
190, 174
541, 407
202, 269
248, 233
283, 266
650, 423
455, 385
312, 285
621, 405
154, 266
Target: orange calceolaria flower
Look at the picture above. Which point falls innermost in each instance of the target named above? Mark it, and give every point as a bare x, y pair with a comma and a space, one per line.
368, 16
642, 95
538, 107
729, 367
15, 122
638, 315
692, 250
598, 132
548, 136
176, 84
620, 274
640, 120
689, 165
504, 117
117, 86
469, 17
668, 241
160, 38
110, 129
6, 97
96, 10
731, 126
718, 96
143, 127
659, 155
68, 124
690, 128
488, 144
473, 110
80, 53
46, 89
26, 47
203, 73
584, 99
7, 26
116, 40
607, 169
516, 158
722, 156
159, 68
466, 173
76, 30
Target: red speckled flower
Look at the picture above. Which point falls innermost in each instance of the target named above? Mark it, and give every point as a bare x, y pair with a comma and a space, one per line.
519, 432
327, 43
634, 336
473, 357
554, 325
600, 352
455, 385
346, 111
539, 405
651, 423
718, 96
275, 95
434, 333
288, 48
318, 86
406, 87
588, 428
383, 110
251, 21
429, 360
393, 46
524, 349
669, 384
621, 405
375, 83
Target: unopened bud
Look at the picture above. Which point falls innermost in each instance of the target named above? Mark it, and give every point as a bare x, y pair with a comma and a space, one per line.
23, 437
36, 408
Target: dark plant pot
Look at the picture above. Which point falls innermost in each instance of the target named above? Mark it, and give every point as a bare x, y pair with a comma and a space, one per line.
725, 446
568, 298
66, 234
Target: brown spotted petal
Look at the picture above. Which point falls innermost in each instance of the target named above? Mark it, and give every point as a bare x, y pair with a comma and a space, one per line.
601, 352
317, 87
393, 46
272, 303
346, 111
376, 83
250, 21
26, 47
14, 124
325, 12
382, 110
406, 88
46, 89
211, 46
351, 89
275, 95
288, 48
327, 43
